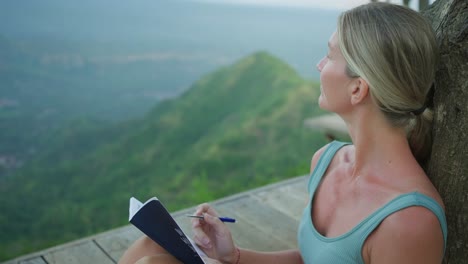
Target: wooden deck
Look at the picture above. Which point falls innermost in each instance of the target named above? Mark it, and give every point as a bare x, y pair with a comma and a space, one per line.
267, 219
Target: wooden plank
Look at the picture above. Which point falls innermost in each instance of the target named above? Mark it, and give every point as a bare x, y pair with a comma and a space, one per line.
267, 227
331, 123
289, 199
115, 243
36, 260
11, 261
247, 234
299, 187
26, 260
85, 252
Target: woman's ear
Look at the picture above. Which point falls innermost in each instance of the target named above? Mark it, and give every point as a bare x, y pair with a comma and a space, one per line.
359, 91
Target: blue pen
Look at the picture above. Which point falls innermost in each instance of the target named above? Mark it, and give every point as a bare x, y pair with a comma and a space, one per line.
224, 219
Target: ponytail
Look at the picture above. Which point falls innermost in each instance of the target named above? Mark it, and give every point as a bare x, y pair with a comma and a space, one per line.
420, 136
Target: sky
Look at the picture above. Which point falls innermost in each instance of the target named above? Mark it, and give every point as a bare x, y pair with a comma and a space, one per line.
327, 4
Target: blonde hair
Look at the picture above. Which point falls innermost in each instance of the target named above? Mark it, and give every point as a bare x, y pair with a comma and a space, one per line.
394, 49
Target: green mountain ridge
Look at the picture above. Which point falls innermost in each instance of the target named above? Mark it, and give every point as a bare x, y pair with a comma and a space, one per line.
237, 128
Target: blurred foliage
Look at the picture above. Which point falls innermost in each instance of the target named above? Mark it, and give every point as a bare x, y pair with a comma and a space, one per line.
235, 129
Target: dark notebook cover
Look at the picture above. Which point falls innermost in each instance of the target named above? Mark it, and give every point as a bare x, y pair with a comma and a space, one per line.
154, 220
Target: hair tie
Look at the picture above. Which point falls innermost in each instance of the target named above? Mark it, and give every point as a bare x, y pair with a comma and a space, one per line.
238, 255
430, 94
419, 111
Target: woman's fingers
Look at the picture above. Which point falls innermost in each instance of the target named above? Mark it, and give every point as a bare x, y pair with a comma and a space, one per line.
201, 210
201, 230
210, 230
205, 208
201, 238
211, 234
220, 230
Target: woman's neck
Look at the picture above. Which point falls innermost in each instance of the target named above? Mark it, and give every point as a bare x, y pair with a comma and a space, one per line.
377, 144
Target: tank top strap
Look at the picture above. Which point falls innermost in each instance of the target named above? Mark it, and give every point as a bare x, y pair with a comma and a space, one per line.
322, 164
401, 202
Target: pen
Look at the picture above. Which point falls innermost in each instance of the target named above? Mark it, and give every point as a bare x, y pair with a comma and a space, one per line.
223, 219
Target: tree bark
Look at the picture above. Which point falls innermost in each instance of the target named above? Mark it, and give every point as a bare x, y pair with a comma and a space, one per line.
423, 5
448, 165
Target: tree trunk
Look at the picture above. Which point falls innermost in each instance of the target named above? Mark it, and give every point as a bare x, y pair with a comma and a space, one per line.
448, 165
423, 5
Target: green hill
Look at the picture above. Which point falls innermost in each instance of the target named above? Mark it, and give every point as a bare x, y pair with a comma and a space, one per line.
237, 128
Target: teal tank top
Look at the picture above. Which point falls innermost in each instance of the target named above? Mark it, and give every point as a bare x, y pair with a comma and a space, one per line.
347, 248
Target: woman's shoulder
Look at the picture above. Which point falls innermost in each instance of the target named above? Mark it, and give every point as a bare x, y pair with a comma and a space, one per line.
316, 157
413, 234
342, 153
415, 230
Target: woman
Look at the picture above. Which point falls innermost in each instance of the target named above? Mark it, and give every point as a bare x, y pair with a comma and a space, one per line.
370, 202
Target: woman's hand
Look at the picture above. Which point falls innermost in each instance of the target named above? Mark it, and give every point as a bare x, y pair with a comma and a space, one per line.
213, 236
